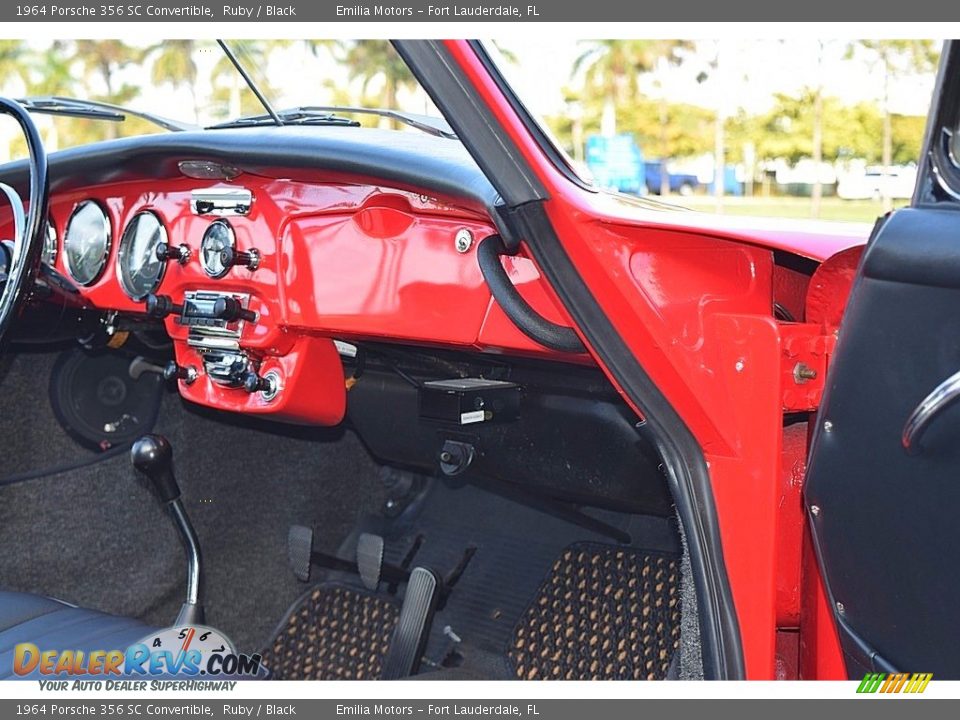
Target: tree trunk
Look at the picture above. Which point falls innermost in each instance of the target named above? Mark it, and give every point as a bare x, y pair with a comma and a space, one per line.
817, 192
719, 140
664, 151
887, 158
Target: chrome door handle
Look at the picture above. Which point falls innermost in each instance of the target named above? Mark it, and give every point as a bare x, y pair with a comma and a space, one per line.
939, 399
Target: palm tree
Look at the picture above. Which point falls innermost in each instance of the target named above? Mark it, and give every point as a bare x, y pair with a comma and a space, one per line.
13, 60
611, 67
173, 64
372, 60
105, 58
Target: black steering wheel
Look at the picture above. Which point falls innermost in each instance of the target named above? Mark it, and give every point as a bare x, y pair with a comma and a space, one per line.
22, 259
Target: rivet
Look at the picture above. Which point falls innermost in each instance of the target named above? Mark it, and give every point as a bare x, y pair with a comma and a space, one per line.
840, 608
815, 509
739, 366
827, 426
463, 240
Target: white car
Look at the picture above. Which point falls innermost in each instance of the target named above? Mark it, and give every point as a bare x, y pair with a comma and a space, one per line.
873, 182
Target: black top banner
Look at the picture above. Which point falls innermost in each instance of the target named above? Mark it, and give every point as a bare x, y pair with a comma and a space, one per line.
471, 12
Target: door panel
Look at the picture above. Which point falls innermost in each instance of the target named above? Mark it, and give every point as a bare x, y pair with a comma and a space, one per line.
886, 522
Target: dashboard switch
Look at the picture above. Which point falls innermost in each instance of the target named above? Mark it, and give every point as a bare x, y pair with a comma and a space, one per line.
186, 373
159, 306
230, 310
167, 252
230, 257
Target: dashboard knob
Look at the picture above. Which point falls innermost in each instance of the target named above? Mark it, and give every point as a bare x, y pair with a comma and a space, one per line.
267, 384
250, 259
172, 371
159, 306
230, 309
166, 252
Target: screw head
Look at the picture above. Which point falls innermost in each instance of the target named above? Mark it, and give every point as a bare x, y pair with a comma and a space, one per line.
815, 510
827, 426
739, 366
463, 240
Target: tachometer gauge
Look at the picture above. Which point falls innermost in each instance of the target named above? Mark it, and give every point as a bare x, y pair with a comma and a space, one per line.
86, 242
140, 270
50, 247
218, 237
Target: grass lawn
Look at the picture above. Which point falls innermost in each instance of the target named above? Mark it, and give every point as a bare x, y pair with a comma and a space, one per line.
831, 208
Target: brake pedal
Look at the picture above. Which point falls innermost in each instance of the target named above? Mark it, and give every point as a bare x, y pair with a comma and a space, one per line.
300, 551
413, 627
370, 559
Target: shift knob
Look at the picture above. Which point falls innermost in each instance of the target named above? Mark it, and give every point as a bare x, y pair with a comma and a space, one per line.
152, 455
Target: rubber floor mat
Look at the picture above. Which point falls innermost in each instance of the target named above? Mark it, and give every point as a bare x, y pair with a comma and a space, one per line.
333, 632
603, 613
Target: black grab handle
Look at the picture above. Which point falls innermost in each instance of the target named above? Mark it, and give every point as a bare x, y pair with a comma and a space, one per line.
529, 321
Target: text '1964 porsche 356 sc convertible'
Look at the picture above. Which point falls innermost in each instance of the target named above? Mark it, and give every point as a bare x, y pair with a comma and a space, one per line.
440, 408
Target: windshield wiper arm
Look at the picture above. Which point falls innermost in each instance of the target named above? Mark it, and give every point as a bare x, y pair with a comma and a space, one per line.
327, 115
426, 123
74, 107
287, 117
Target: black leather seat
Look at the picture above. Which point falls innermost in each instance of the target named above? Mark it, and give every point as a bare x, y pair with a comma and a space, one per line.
54, 625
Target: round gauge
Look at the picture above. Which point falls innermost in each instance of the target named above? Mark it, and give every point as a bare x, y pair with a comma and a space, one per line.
218, 237
50, 244
140, 269
86, 242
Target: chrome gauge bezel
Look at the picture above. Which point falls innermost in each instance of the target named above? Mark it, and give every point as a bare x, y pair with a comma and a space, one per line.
124, 248
108, 242
215, 272
51, 243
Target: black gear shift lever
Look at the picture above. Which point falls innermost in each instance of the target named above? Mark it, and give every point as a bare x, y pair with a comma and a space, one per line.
152, 455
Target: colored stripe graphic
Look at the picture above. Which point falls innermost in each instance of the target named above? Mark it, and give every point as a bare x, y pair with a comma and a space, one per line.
913, 683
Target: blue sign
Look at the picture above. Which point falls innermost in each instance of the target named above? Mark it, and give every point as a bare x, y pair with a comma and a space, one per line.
616, 163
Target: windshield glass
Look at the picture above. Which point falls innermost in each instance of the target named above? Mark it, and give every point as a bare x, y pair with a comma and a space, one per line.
194, 83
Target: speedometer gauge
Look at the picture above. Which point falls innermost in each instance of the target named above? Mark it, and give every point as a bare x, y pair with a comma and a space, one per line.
140, 270
86, 242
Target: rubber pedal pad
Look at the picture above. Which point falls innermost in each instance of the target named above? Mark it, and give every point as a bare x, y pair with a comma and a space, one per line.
370, 559
413, 626
300, 551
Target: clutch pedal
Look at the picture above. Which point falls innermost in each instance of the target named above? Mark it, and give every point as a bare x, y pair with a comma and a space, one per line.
370, 559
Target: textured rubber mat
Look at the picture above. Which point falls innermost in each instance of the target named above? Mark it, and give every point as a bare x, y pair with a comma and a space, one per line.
603, 613
333, 633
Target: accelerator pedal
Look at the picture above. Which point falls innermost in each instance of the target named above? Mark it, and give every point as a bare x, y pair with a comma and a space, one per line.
370, 559
300, 551
413, 626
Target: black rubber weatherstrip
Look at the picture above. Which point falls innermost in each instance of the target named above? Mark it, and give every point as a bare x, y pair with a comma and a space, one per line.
529, 321
686, 469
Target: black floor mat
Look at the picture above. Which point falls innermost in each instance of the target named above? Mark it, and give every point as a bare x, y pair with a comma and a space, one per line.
603, 613
334, 632
516, 548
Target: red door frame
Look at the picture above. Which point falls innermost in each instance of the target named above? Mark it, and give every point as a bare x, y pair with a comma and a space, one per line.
727, 390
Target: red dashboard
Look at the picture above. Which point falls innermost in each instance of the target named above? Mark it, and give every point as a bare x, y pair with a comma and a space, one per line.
337, 259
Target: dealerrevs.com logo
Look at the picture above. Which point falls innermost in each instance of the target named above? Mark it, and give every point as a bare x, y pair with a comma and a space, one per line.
910, 683
192, 651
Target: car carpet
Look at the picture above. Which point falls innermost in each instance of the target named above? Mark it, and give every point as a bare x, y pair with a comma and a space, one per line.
96, 537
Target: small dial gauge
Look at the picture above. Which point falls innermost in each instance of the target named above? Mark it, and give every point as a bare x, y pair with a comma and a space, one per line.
50, 244
140, 268
86, 242
218, 237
